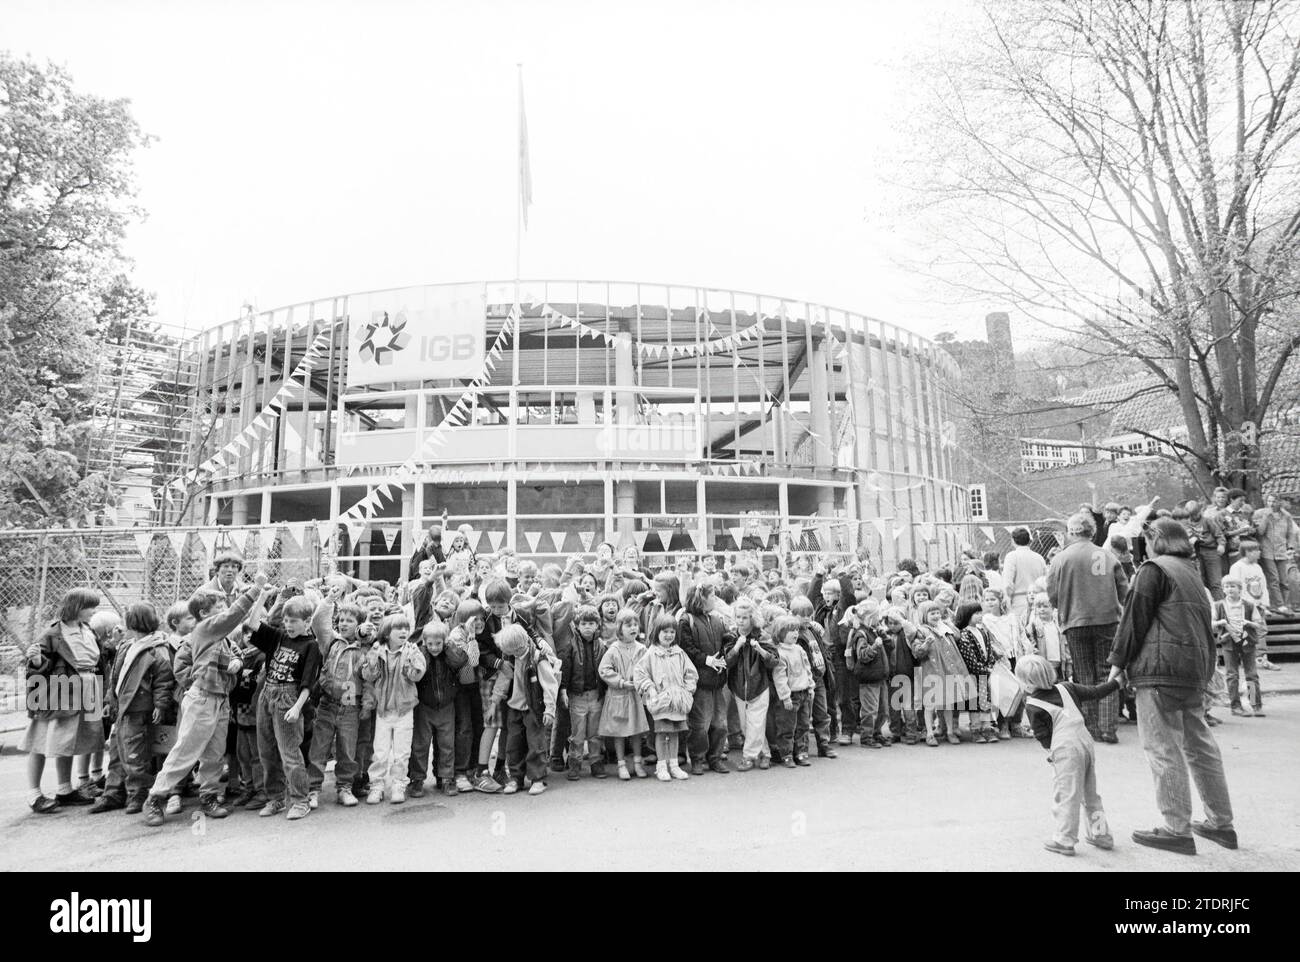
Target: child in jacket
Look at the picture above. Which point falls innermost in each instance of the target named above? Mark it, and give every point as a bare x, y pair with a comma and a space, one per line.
792, 677
666, 680
749, 675
1238, 626
338, 713
528, 684
390, 671
435, 712
580, 678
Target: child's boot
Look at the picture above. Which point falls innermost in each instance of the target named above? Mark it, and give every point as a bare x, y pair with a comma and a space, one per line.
598, 768
638, 769
575, 768
661, 771
623, 774
153, 811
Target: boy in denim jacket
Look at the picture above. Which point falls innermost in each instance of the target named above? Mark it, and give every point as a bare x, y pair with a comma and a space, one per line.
338, 715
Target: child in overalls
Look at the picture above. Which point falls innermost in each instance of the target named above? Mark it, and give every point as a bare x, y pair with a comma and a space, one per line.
1053, 711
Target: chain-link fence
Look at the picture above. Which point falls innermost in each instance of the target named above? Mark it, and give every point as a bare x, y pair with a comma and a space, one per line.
125, 565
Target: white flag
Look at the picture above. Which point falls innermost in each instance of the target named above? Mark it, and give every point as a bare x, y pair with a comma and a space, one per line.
532, 537
525, 168
177, 540
988, 532
142, 543
558, 538
495, 538
588, 538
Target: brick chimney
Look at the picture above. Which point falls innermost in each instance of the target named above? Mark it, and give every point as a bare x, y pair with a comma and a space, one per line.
1001, 353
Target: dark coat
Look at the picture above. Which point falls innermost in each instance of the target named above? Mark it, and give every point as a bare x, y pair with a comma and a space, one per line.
749, 672
1164, 638
148, 684
700, 638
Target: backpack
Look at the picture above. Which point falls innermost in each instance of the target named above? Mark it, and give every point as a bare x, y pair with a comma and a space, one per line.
867, 668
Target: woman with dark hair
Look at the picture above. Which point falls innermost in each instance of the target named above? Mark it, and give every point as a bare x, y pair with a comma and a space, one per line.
65, 689
1165, 645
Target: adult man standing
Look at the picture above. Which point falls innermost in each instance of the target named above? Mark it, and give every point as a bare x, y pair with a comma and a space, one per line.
1087, 587
228, 567
1020, 569
1278, 537
1166, 647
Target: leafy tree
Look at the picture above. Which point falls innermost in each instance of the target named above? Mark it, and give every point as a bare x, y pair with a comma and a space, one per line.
1130, 172
66, 192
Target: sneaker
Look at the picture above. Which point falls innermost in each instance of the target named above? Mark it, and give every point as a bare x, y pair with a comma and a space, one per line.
623, 774
297, 811
676, 771
243, 798
313, 799
1267, 665
537, 788
954, 739
375, 796
398, 794
872, 743
487, 784
558, 766
638, 769
134, 806
153, 811
512, 786
74, 797
574, 771
274, 807
661, 772
346, 798
827, 752
1052, 845
844, 739
932, 741
764, 762
1104, 842
1164, 839
449, 788
1239, 711
1004, 735
464, 784
745, 764
1212, 721
107, 803
415, 789
256, 802
174, 804
789, 762
719, 766
1226, 837
210, 806
802, 761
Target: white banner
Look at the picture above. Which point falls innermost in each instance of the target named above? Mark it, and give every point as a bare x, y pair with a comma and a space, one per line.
417, 334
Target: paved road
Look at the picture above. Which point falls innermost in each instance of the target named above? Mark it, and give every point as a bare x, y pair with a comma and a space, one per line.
953, 807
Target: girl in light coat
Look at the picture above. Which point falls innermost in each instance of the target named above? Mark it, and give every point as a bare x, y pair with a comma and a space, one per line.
666, 679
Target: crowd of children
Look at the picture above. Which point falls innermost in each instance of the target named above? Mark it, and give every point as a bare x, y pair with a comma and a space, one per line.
490, 674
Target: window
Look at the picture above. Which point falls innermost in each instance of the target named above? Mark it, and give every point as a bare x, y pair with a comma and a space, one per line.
978, 499
1041, 455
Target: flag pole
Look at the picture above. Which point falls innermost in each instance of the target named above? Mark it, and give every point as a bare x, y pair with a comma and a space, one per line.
519, 222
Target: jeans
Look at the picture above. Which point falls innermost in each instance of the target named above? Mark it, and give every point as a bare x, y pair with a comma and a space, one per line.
793, 725
707, 724
1074, 785
1089, 648
821, 718
584, 720
753, 723
392, 750
559, 734
129, 757
250, 763
1175, 737
1211, 564
436, 728
873, 698
279, 745
365, 750
847, 693
200, 737
526, 745
469, 726
335, 728
1242, 657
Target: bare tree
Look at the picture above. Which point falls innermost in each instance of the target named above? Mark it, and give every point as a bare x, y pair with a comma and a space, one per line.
1127, 169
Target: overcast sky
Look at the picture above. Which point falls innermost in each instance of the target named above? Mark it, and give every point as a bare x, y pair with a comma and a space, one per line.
306, 149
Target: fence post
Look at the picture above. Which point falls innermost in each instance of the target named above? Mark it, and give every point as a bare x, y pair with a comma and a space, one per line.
177, 583
40, 593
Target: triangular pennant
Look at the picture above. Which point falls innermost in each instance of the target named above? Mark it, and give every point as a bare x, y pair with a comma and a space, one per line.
237, 540
764, 532
879, 525
588, 538
390, 535
142, 542
644, 536
558, 538
737, 535
325, 530
532, 537
899, 530
1010, 528
355, 529
298, 531
495, 538
177, 540
927, 531
209, 541
988, 532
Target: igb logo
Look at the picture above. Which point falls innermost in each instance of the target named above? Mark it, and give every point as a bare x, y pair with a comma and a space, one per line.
383, 337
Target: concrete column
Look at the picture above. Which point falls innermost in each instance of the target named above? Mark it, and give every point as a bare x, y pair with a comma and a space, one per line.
863, 448
820, 404
702, 527
625, 504
265, 518
625, 408
512, 511
239, 510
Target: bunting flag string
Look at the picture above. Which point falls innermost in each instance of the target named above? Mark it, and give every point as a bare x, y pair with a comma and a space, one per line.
177, 540
737, 535
495, 538
898, 531
209, 541
558, 538
588, 538
988, 532
298, 531
657, 350
325, 530
252, 432
533, 538
142, 543
390, 535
